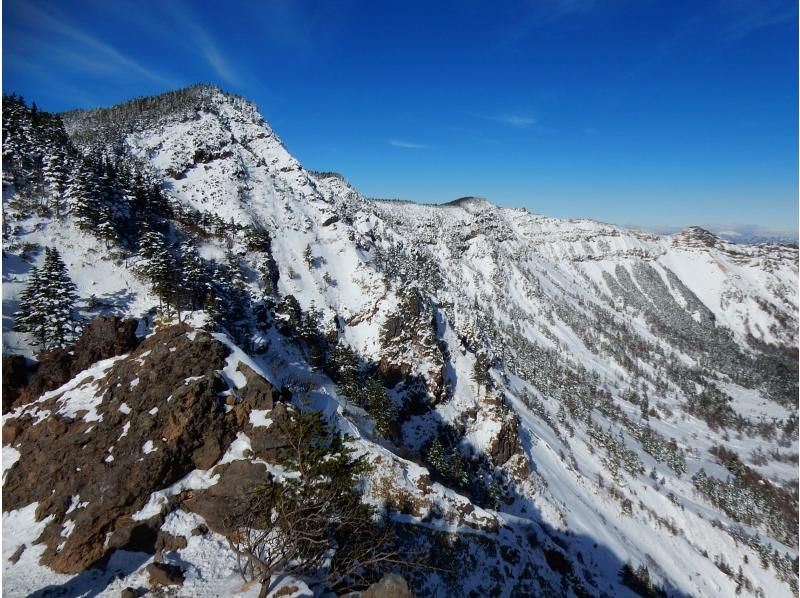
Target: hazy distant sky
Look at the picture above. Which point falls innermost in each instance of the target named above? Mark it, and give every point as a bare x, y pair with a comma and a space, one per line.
660, 113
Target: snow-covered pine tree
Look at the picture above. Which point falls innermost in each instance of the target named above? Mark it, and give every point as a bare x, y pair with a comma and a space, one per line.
456, 470
31, 315
193, 274
55, 176
82, 196
158, 267
57, 295
436, 457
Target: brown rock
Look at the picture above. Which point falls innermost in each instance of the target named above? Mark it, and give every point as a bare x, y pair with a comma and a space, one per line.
53, 370
258, 392
391, 585
162, 574
506, 443
168, 542
104, 337
269, 443
15, 376
183, 421
220, 502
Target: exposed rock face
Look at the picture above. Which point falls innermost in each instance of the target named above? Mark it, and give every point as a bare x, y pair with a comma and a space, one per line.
156, 417
390, 586
221, 501
410, 344
506, 443
258, 392
53, 370
104, 337
15, 376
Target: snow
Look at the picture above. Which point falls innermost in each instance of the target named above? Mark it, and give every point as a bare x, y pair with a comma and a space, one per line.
148, 447
258, 417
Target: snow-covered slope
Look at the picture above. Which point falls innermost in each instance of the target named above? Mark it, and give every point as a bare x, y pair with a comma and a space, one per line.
583, 372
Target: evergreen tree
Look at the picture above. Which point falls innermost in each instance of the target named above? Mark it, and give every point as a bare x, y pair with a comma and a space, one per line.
456, 470
47, 304
379, 406
159, 267
307, 256
344, 366
31, 315
194, 274
436, 457
480, 372
60, 294
82, 196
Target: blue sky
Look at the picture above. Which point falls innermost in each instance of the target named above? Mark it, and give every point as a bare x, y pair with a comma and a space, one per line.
630, 111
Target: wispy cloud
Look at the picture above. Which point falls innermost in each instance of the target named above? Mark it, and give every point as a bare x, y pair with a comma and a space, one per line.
406, 144
88, 52
205, 43
517, 121
748, 16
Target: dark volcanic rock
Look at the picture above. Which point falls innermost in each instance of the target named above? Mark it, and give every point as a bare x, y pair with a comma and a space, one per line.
160, 417
506, 443
103, 337
409, 345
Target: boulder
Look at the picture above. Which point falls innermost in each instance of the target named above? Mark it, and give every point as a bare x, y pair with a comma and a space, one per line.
227, 498
391, 585
163, 574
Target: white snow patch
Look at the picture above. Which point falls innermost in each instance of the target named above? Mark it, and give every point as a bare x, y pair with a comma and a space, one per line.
258, 417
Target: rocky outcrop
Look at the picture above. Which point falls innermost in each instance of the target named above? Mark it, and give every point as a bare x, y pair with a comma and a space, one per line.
409, 345
103, 337
108, 443
15, 377
506, 443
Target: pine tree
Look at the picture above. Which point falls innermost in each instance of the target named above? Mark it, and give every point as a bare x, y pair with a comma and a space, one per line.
436, 457
55, 175
379, 406
31, 316
82, 196
307, 256
159, 267
344, 366
456, 470
60, 294
193, 274
47, 304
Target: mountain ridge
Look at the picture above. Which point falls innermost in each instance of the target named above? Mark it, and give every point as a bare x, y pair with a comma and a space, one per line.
557, 360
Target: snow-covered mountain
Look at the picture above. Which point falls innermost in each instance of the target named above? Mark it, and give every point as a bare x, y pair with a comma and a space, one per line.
575, 408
